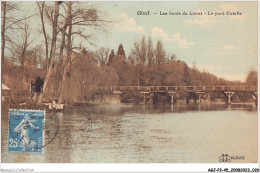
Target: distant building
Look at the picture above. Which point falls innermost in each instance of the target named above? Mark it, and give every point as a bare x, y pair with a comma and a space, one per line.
6, 96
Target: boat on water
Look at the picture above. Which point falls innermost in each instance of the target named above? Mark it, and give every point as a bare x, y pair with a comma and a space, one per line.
54, 106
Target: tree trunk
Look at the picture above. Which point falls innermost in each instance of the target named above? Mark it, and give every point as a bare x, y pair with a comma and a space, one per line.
68, 88
23, 75
44, 33
3, 32
63, 33
60, 61
46, 43
53, 45
64, 76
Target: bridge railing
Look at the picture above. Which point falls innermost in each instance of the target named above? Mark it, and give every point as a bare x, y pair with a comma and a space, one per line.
177, 88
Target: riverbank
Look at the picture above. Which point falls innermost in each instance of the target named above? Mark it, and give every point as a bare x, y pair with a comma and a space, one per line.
93, 104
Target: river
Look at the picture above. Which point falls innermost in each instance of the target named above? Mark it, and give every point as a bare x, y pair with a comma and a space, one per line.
146, 134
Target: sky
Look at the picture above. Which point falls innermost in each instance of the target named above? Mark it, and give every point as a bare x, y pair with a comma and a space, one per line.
224, 45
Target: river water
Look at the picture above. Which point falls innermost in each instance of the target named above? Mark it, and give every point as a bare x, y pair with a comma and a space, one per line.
146, 134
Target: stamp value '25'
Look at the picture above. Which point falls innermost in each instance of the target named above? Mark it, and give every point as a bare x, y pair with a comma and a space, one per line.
26, 131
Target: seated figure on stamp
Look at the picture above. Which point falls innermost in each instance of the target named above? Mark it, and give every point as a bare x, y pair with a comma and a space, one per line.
23, 129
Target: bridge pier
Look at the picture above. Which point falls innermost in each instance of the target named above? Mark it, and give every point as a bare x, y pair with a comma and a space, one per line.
229, 94
116, 97
200, 94
172, 94
255, 94
118, 93
145, 95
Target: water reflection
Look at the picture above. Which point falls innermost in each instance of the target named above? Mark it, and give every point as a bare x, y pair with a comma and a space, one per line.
147, 133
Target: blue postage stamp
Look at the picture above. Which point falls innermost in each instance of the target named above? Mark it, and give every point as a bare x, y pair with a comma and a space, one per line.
26, 131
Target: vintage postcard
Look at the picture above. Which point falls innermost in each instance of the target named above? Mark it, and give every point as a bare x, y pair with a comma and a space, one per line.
129, 82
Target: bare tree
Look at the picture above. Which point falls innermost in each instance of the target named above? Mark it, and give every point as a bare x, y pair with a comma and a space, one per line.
10, 23
143, 51
82, 18
135, 53
41, 7
3, 11
19, 48
150, 52
139, 55
77, 20
159, 53
54, 20
251, 78
68, 49
102, 55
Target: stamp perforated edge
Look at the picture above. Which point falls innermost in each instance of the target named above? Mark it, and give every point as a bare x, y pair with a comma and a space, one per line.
43, 130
